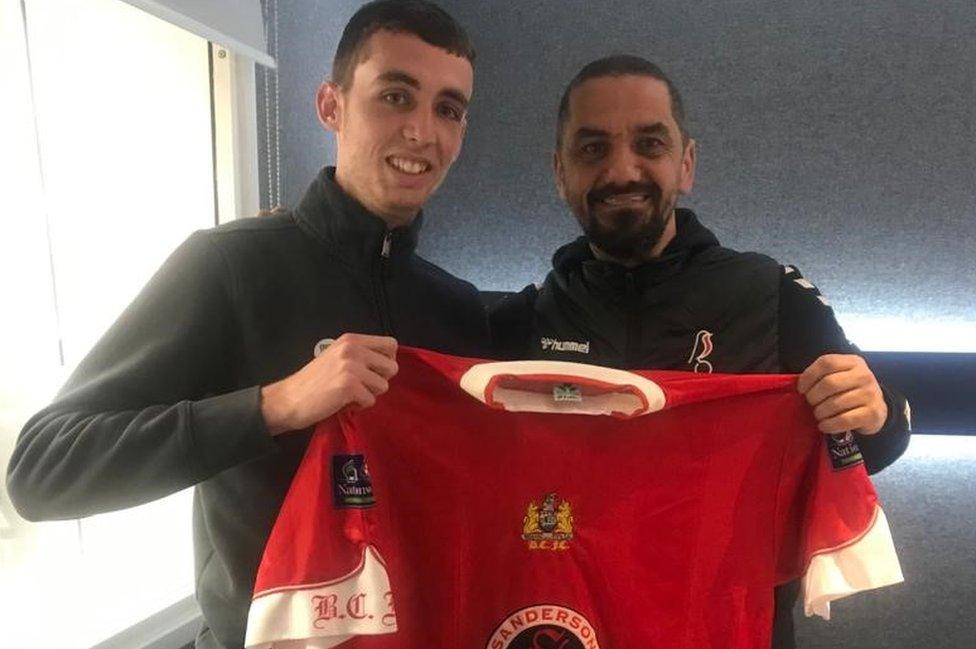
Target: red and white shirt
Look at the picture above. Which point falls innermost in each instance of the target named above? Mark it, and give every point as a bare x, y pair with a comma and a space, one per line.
541, 504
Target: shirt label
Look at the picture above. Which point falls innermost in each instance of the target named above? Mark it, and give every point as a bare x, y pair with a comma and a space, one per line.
567, 392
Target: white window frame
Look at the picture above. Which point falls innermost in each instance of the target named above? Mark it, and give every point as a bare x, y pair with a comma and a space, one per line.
236, 173
233, 106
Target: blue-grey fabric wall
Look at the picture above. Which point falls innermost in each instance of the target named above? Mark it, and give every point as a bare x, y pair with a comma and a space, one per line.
292, 145
835, 135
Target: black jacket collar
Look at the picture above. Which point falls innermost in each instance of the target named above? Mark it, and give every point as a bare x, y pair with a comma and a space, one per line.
352, 232
575, 268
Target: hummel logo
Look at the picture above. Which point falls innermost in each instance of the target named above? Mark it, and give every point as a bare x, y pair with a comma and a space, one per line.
553, 345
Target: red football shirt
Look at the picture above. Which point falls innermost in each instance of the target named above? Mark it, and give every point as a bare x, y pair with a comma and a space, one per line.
545, 505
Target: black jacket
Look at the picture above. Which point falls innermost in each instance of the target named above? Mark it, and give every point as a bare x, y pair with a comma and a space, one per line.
170, 396
698, 307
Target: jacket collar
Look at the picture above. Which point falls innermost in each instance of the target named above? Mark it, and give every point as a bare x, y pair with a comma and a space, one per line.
575, 265
353, 233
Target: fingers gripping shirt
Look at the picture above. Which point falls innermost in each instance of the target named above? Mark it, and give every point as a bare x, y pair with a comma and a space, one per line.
523, 504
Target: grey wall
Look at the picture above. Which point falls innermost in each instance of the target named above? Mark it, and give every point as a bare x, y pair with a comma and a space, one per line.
834, 135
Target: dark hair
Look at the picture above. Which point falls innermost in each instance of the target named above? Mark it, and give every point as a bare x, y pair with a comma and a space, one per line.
423, 19
619, 65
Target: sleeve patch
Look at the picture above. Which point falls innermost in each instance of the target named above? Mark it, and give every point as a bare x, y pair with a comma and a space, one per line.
843, 451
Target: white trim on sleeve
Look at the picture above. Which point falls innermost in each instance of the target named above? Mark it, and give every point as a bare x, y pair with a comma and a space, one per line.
870, 562
319, 616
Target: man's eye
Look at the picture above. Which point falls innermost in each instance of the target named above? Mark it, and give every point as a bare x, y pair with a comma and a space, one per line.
395, 98
649, 145
451, 112
592, 149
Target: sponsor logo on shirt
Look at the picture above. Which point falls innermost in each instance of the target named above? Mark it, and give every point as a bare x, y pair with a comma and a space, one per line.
553, 345
843, 451
544, 626
351, 484
548, 525
701, 350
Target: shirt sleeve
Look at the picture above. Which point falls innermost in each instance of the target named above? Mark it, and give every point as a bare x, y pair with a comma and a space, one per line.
152, 409
808, 329
832, 531
322, 580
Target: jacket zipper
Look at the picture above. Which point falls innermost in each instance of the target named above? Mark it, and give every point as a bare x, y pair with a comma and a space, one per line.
633, 322
379, 285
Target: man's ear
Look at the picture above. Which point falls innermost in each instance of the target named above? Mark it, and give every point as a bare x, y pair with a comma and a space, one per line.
688, 160
557, 171
328, 105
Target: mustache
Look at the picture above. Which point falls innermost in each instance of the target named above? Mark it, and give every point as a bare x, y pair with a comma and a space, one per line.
606, 191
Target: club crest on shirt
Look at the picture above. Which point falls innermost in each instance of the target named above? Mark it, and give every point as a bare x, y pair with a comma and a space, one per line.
843, 450
351, 485
542, 626
548, 525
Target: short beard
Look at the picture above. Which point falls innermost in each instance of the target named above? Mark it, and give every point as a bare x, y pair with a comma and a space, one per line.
632, 234
632, 238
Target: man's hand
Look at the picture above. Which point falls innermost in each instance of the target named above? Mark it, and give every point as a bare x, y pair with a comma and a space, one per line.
844, 394
353, 370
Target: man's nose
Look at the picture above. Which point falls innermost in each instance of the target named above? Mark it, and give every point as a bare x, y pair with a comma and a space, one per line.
419, 126
623, 166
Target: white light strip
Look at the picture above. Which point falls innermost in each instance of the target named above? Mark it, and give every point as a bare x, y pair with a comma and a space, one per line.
948, 447
890, 334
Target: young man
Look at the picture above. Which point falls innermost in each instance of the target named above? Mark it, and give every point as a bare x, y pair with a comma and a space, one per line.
201, 377
648, 286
